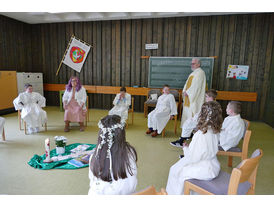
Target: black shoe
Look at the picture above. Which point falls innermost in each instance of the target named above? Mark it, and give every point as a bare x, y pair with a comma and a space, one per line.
181, 156
176, 143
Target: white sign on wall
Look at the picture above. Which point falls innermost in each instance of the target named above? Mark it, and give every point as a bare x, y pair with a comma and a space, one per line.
151, 46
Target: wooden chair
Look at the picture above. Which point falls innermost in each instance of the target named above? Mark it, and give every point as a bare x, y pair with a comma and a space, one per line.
3, 135
177, 99
149, 102
21, 121
61, 93
236, 151
151, 191
131, 110
241, 181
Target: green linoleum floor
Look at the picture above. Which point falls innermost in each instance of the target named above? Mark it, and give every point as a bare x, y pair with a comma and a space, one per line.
155, 156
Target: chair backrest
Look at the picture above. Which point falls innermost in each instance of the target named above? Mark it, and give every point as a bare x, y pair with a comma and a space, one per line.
246, 171
176, 94
154, 91
246, 144
247, 123
151, 191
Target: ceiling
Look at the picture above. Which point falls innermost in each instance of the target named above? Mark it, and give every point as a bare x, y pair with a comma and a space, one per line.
50, 17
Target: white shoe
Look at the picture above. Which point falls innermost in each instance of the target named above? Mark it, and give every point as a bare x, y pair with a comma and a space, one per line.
36, 129
30, 130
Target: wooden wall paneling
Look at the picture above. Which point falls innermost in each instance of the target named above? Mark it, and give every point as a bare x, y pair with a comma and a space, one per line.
182, 36
194, 36
98, 60
154, 35
269, 53
200, 32
176, 36
139, 61
171, 38
165, 37
230, 49
128, 50
160, 39
206, 36
133, 54
109, 98
123, 54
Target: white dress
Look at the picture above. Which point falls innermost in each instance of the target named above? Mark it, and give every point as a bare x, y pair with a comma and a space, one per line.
200, 162
233, 129
31, 111
189, 125
121, 106
195, 88
2, 122
80, 96
159, 117
125, 186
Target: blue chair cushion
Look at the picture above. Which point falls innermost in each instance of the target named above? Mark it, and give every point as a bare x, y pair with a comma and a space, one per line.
219, 185
232, 149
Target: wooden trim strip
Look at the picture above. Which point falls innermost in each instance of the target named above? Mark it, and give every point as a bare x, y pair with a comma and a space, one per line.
142, 91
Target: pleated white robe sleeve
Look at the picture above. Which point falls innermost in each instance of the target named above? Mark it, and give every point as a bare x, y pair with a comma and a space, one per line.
189, 125
199, 162
233, 130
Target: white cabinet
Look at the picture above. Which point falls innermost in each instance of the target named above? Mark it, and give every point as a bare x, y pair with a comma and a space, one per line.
35, 79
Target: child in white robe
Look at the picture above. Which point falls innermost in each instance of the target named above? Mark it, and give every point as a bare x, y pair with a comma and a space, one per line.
112, 169
233, 128
121, 104
30, 103
164, 111
200, 161
191, 123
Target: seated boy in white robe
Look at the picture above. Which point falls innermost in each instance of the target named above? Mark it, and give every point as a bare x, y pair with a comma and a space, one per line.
190, 124
30, 104
165, 110
233, 128
200, 161
121, 103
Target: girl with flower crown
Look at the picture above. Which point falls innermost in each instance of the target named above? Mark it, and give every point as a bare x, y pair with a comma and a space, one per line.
74, 103
199, 161
112, 169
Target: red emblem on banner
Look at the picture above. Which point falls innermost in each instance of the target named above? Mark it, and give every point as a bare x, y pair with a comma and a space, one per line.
77, 54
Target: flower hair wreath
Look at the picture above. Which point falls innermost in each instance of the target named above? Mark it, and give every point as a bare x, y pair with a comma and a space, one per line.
110, 132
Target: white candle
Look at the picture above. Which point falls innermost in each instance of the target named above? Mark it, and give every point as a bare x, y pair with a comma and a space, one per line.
47, 148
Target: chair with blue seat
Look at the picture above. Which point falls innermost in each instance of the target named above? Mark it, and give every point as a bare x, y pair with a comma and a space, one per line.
150, 102
237, 151
241, 181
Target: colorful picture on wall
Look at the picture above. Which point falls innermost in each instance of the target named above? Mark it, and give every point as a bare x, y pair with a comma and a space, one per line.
237, 72
76, 54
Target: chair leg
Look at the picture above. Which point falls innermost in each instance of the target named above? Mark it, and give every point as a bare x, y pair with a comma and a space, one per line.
25, 127
175, 125
230, 158
3, 135
163, 132
19, 120
145, 110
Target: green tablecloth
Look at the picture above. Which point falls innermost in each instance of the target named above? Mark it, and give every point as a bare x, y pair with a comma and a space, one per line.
37, 161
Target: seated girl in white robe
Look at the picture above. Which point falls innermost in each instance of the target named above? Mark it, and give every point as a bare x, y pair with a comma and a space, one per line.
112, 169
165, 110
190, 124
233, 128
74, 103
30, 104
200, 161
121, 104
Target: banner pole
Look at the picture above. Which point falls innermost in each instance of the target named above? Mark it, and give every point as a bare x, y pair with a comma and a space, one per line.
64, 55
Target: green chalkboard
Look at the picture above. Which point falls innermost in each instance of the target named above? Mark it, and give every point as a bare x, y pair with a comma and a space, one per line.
174, 71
